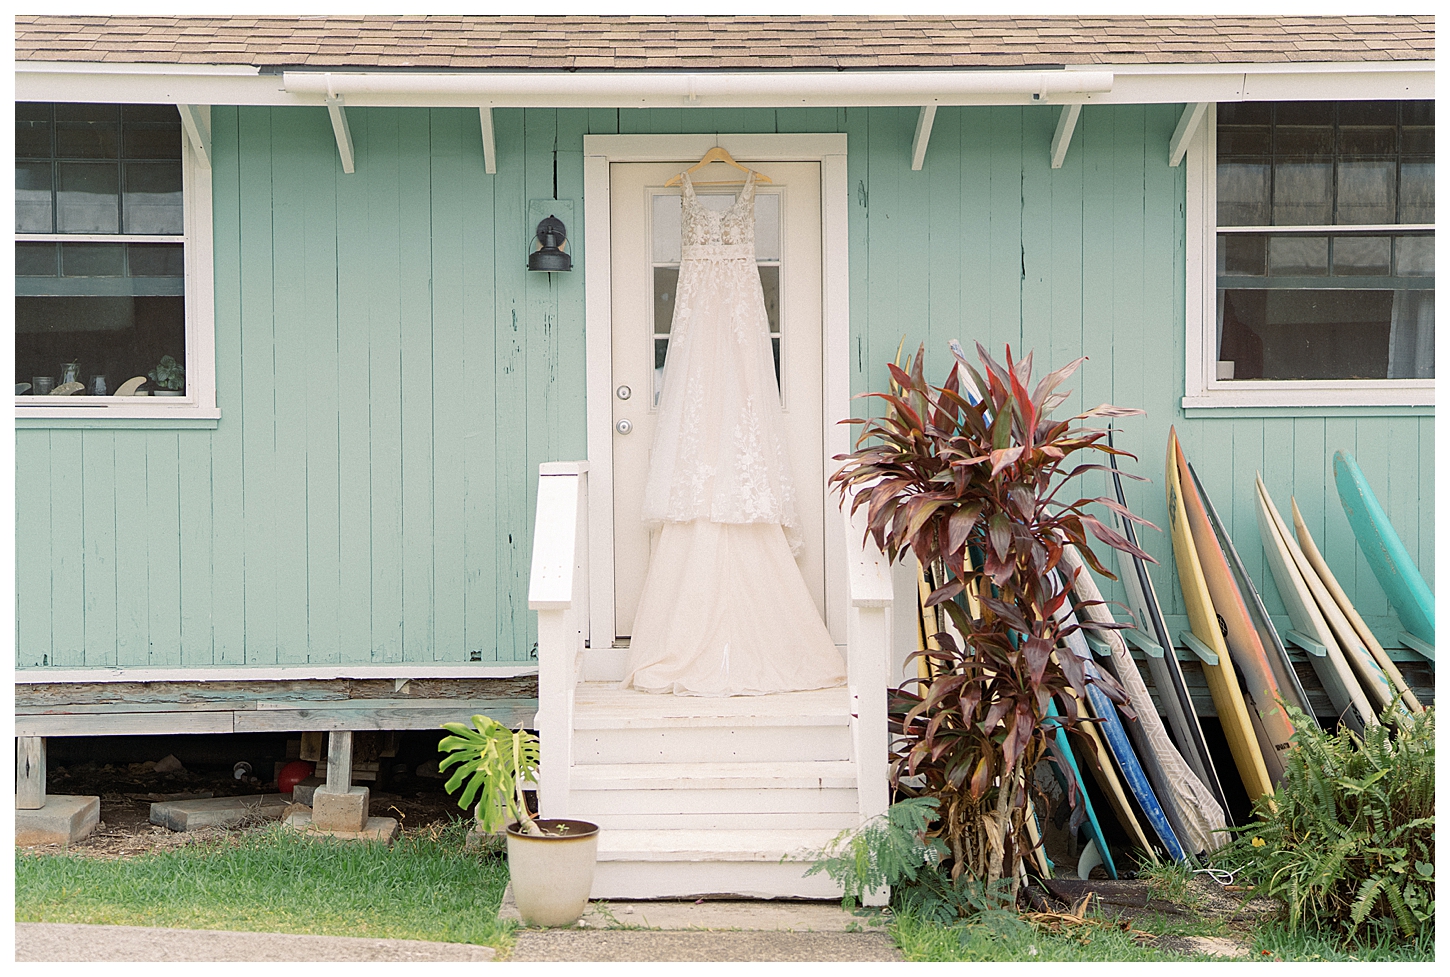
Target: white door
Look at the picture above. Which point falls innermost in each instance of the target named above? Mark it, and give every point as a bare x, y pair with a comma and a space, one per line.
645, 261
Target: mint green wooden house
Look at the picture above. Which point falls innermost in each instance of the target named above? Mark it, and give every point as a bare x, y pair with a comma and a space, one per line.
399, 482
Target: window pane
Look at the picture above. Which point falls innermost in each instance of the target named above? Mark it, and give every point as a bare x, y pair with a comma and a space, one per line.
1417, 141
1243, 140
1243, 193
87, 198
767, 226
87, 131
156, 260
665, 280
1366, 141
92, 260
162, 114
32, 130
1368, 113
1303, 192
1298, 255
1415, 256
1303, 140
662, 347
1361, 255
1417, 193
665, 226
1306, 334
153, 198
115, 337
1304, 113
152, 142
33, 198
35, 260
770, 287
1241, 254
1366, 192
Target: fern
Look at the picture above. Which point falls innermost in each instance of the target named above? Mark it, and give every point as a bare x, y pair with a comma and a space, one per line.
1347, 840
888, 850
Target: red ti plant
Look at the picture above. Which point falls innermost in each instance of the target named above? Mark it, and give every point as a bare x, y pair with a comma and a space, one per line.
971, 486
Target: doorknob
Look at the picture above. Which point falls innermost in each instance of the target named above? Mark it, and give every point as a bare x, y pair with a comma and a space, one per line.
624, 426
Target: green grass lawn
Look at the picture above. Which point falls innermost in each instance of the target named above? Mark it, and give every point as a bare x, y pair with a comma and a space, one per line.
271, 880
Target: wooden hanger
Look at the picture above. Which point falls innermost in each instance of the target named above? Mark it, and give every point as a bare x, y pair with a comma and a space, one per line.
716, 155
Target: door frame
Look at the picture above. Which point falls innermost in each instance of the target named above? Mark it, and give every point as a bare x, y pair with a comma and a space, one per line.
828, 149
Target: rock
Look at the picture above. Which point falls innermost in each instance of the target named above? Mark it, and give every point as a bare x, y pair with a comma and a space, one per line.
428, 769
169, 764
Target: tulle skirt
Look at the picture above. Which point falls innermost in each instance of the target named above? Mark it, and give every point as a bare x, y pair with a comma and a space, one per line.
725, 611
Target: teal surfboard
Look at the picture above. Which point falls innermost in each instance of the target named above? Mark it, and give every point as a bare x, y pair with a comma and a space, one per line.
1381, 546
1064, 753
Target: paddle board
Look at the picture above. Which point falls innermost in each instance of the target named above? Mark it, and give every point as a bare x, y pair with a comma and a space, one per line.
1289, 685
1223, 683
1116, 736
1196, 818
1371, 676
1326, 576
1381, 546
1339, 682
1173, 695
1234, 623
1090, 824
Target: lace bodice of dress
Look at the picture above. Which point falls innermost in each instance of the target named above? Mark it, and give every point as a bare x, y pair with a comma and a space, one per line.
708, 233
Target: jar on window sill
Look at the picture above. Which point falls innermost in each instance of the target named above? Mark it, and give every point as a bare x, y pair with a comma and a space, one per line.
70, 372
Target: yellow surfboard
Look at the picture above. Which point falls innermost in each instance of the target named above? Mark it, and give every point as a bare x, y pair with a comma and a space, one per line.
1223, 684
1242, 638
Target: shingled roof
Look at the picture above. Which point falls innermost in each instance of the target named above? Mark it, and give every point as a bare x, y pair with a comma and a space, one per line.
718, 43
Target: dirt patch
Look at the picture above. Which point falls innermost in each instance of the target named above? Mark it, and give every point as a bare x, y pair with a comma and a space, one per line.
127, 792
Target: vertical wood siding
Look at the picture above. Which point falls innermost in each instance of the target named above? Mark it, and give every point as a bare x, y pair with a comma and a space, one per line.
390, 376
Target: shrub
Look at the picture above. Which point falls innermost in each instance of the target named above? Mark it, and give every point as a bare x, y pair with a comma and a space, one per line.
1349, 836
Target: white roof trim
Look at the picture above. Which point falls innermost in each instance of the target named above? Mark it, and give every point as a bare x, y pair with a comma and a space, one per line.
1116, 84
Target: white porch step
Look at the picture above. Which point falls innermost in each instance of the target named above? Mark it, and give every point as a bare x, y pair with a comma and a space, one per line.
805, 775
711, 846
833, 821
602, 705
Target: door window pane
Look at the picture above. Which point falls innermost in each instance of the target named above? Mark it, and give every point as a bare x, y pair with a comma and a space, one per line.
87, 199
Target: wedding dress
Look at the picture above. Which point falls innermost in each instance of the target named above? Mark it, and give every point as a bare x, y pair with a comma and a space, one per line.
724, 610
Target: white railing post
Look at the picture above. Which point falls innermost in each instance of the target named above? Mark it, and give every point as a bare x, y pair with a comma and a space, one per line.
868, 656
558, 591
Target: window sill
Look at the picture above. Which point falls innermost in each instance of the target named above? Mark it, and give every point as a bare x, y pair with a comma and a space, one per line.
132, 414
1319, 397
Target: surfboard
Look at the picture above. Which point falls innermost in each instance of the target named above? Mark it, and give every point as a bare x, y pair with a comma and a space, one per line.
1288, 678
1372, 678
1339, 682
1117, 737
1381, 545
1196, 817
1223, 684
1238, 630
1090, 824
1331, 584
1108, 781
1173, 695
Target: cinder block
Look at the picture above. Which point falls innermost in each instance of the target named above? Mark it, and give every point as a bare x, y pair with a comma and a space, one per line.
217, 812
64, 820
376, 829
340, 810
302, 793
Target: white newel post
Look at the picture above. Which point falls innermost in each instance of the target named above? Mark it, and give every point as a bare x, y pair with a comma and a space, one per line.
558, 591
868, 657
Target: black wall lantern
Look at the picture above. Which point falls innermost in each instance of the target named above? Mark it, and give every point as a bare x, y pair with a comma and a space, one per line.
552, 235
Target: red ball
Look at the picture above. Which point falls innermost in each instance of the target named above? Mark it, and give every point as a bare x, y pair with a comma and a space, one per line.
293, 774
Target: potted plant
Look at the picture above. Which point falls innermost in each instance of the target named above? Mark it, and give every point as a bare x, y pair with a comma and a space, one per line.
169, 377
968, 480
551, 862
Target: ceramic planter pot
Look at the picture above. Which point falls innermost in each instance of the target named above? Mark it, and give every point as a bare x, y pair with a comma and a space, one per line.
552, 873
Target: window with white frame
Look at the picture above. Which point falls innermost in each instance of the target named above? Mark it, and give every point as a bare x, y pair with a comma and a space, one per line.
1323, 237
107, 205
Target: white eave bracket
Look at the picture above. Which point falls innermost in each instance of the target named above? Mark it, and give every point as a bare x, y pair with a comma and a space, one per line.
490, 151
340, 130
196, 121
1187, 127
924, 120
1062, 138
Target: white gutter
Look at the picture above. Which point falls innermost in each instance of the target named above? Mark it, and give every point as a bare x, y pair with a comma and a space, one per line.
690, 90
1142, 84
